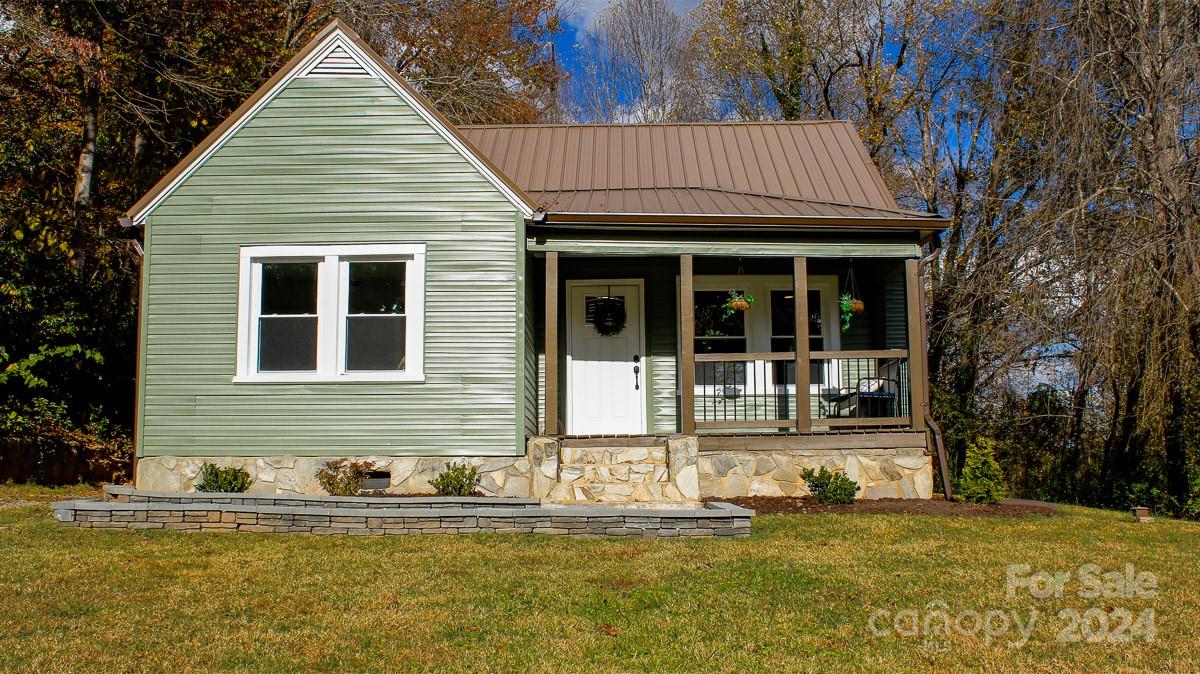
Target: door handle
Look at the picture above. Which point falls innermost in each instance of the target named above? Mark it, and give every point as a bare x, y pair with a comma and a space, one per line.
637, 369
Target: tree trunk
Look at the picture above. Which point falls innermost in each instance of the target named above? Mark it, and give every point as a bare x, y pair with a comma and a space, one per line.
1073, 452
85, 170
139, 154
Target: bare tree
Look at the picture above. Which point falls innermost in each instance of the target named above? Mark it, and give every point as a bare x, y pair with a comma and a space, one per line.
638, 66
1129, 112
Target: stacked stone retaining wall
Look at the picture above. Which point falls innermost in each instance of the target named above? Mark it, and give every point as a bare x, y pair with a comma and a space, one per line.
193, 512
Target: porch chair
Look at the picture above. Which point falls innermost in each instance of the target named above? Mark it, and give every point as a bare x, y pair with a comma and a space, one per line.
877, 397
873, 397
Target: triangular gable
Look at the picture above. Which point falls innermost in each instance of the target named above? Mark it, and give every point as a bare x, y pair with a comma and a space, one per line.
336, 51
336, 62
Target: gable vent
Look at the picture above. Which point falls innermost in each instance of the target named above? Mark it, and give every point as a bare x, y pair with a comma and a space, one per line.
337, 63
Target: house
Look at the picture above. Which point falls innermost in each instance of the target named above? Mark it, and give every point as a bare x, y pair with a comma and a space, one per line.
587, 313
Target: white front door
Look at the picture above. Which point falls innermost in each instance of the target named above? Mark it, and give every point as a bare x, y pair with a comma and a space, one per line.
606, 368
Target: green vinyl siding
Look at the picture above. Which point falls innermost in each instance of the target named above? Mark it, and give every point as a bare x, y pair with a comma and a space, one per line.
531, 368
662, 319
895, 304
334, 161
884, 324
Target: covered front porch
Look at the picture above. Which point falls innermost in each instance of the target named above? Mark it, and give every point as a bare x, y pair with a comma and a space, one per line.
678, 360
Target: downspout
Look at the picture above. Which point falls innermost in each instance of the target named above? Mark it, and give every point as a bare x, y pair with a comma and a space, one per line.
934, 430
943, 466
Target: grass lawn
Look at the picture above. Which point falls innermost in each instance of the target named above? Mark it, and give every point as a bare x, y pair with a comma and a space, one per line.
798, 595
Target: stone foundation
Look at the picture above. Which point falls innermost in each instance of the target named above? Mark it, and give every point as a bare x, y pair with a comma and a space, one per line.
502, 475
666, 469
882, 473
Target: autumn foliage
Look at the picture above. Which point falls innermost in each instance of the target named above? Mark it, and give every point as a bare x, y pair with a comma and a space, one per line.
101, 99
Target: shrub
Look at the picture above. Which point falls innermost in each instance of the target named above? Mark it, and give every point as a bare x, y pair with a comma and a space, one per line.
40, 443
1191, 508
982, 480
230, 480
457, 479
1161, 503
828, 487
343, 478
1148, 495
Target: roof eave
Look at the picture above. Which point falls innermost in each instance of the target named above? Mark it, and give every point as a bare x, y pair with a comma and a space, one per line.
706, 220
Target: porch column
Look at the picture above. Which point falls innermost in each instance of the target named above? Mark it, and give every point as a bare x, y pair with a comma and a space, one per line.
687, 347
800, 297
551, 340
916, 344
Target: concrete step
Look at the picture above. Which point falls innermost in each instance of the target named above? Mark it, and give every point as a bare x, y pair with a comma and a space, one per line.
613, 455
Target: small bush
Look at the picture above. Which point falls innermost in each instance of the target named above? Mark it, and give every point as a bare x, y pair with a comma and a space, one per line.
982, 480
827, 487
458, 479
1148, 495
40, 443
343, 478
230, 480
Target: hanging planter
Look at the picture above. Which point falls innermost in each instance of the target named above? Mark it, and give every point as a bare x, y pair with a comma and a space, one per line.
738, 301
850, 302
606, 314
849, 305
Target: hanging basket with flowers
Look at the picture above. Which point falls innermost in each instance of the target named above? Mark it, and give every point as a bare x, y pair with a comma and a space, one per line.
738, 301
850, 302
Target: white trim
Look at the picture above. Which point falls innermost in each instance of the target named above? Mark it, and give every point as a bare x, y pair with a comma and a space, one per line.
643, 374
312, 69
334, 39
331, 289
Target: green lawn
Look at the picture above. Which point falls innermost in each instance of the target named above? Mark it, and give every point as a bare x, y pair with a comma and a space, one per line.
797, 595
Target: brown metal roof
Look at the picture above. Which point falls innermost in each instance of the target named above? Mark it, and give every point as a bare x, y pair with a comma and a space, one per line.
764, 174
774, 170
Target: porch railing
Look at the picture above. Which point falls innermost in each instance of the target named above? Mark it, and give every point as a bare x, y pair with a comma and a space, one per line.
861, 387
758, 390
747, 390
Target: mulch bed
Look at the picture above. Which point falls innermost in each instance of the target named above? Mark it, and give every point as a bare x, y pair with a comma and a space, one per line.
783, 505
379, 493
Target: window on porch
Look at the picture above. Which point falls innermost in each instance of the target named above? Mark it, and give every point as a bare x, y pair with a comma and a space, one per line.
745, 362
719, 332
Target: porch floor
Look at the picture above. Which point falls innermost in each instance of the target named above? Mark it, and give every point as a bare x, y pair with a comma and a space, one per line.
832, 439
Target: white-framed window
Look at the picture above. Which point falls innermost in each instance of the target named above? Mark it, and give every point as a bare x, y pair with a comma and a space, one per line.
768, 326
339, 313
823, 334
